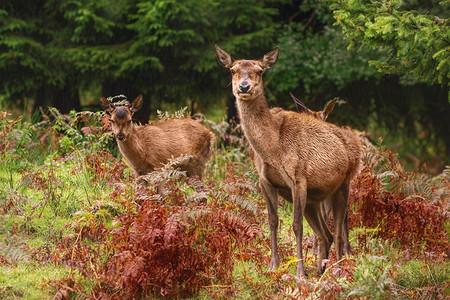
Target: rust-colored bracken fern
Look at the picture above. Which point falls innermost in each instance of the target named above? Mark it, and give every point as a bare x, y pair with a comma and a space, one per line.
172, 246
410, 219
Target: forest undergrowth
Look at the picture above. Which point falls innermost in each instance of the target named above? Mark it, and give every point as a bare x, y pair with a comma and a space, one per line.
76, 224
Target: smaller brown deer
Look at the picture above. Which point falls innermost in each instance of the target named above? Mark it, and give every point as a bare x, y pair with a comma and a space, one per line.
148, 147
321, 114
326, 206
302, 108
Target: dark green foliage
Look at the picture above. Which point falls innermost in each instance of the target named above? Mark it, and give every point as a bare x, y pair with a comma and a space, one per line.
159, 48
182, 34
317, 62
410, 40
68, 53
413, 37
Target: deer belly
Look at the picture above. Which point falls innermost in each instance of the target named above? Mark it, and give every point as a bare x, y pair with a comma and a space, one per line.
313, 195
274, 177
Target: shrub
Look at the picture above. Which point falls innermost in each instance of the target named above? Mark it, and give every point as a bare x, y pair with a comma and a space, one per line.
174, 250
165, 243
380, 200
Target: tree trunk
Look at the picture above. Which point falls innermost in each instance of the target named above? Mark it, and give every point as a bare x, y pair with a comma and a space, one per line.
63, 98
40, 99
67, 98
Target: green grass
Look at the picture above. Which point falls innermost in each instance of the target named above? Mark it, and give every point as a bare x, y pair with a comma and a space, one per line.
215, 111
371, 278
416, 273
39, 217
250, 282
29, 281
9, 176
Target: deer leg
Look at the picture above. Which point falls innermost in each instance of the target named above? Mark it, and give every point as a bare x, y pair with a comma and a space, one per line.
323, 217
270, 194
325, 209
345, 194
326, 212
299, 195
339, 211
347, 247
313, 213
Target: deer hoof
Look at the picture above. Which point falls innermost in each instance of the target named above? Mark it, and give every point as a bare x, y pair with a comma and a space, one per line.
301, 272
348, 251
301, 279
274, 262
322, 265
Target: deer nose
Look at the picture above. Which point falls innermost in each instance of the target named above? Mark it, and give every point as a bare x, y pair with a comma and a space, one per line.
244, 86
120, 136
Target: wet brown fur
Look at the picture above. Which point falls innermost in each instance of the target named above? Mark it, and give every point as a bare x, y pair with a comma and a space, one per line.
353, 146
295, 154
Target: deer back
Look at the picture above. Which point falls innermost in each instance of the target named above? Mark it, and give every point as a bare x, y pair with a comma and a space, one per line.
161, 141
313, 147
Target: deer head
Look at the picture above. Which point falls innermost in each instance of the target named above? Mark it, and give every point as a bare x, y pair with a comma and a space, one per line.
121, 114
246, 75
322, 114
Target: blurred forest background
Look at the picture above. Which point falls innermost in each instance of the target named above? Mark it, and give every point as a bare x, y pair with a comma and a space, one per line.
390, 60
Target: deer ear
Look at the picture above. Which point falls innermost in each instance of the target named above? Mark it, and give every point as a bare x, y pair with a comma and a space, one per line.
223, 57
107, 105
328, 108
270, 58
137, 104
299, 103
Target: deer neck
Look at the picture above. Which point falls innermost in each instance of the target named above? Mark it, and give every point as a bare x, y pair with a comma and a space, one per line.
258, 125
133, 150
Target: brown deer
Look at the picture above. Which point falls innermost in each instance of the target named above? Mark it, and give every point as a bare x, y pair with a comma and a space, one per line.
326, 206
352, 138
147, 148
296, 155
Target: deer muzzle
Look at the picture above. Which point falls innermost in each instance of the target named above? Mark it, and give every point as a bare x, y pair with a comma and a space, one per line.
120, 136
244, 86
